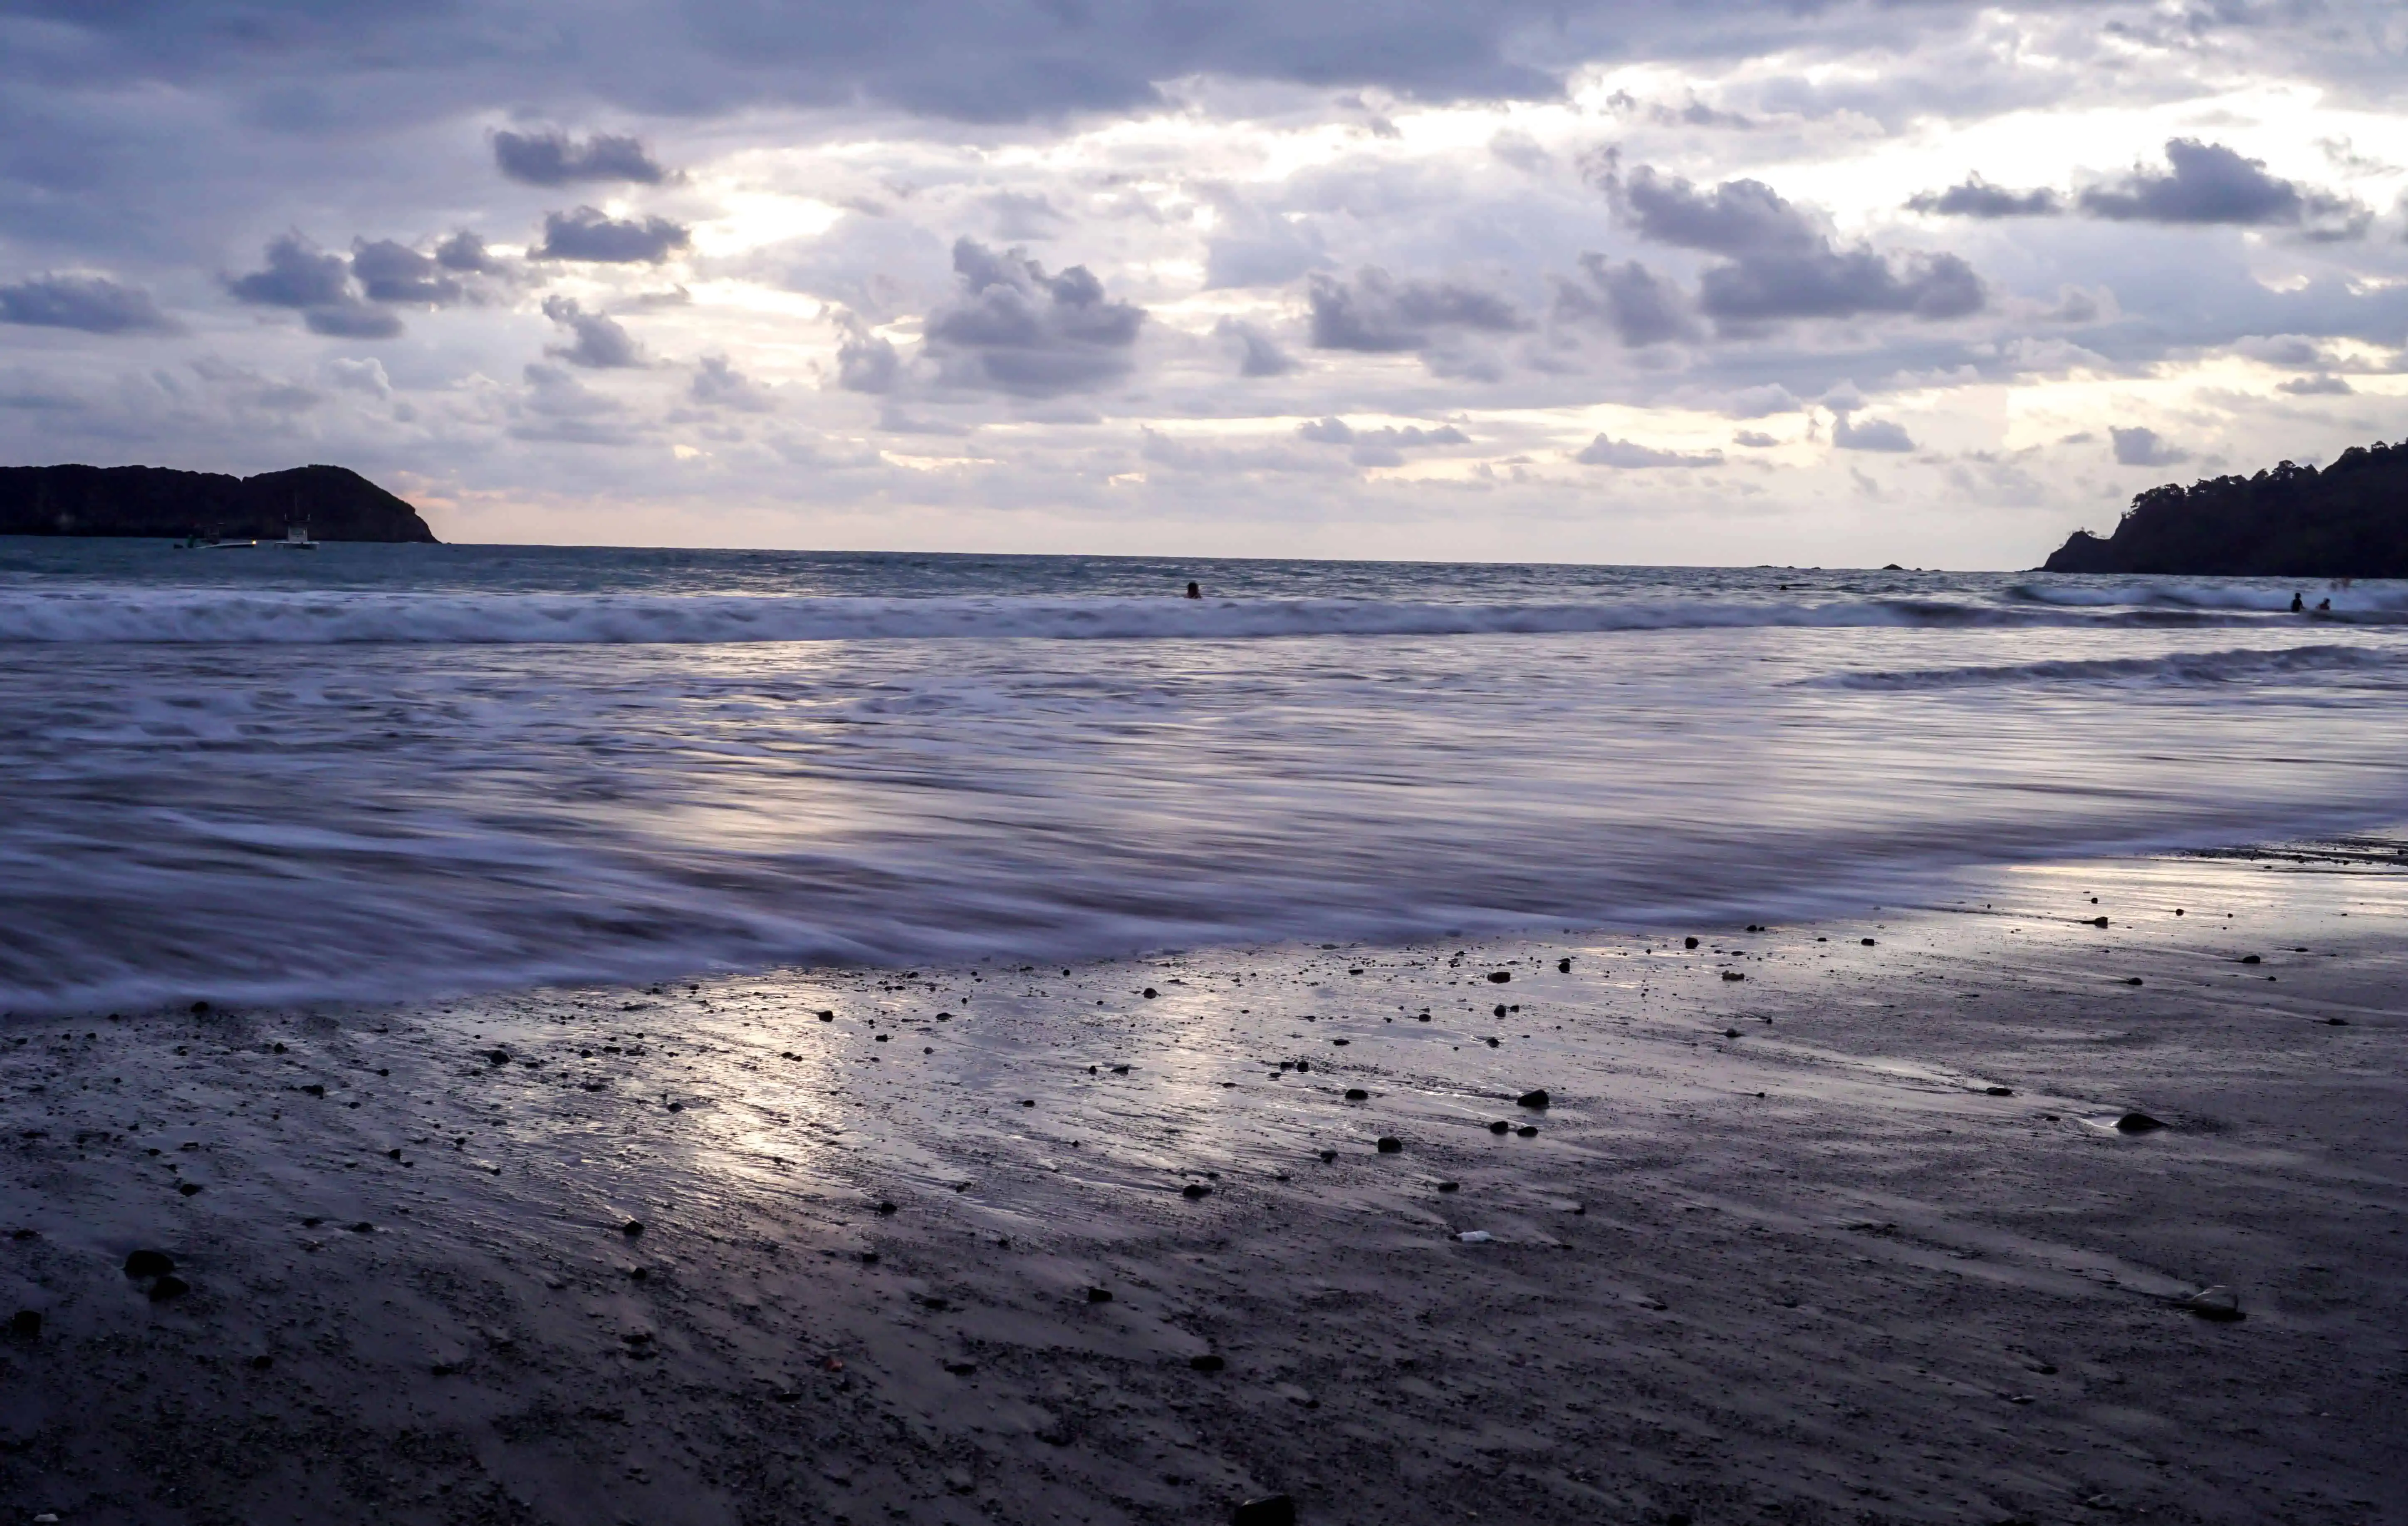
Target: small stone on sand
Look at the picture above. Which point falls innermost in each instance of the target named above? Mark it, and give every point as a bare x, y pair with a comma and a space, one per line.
1269, 1510
1390, 1144
1500, 1127
150, 1263
2219, 1303
1207, 1364
1195, 1189
1532, 1099
2136, 1123
1357, 1094
26, 1324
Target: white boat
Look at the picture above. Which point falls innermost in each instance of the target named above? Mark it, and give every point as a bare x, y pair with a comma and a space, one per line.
296, 538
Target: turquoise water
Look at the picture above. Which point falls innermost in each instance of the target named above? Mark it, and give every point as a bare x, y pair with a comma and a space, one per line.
388, 771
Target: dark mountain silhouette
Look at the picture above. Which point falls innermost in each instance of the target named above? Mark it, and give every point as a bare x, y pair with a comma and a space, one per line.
331, 502
2348, 521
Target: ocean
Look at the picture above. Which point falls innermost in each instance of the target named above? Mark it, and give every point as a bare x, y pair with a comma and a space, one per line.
388, 773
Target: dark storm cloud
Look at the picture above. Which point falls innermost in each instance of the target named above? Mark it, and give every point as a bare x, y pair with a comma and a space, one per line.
1378, 314
1780, 265
1013, 328
599, 343
557, 159
92, 304
2208, 182
1638, 305
592, 236
1977, 198
391, 272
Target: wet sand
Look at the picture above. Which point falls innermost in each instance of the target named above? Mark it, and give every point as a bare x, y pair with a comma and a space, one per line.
1008, 1244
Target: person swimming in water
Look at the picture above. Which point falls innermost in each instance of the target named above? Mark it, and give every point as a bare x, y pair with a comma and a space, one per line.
1194, 592
2297, 604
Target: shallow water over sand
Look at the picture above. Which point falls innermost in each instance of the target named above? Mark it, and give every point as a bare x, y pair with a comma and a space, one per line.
391, 772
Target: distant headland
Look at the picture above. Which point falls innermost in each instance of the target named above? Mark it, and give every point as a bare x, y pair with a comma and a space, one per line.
2348, 521
331, 503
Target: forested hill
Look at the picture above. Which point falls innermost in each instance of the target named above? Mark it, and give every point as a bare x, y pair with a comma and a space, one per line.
333, 503
2349, 520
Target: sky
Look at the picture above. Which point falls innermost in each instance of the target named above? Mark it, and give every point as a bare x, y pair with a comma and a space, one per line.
1655, 283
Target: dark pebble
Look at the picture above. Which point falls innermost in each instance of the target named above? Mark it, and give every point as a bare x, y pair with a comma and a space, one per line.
1688, 943
869, 1257
1390, 1144
150, 1263
1150, 993
1528, 1130
1997, 1091
1340, 1043
1301, 1065
2136, 1123
199, 1007
2250, 959
827, 1016
188, 1189
261, 1363
1733, 974
1730, 1032
1533, 1098
1499, 1010
2131, 980
170, 1286
1357, 1094
1564, 966
885, 1207
633, 1226
314, 1089
1500, 976
1100, 1295
1867, 941
1207, 1364
1450, 1186
497, 1056
1491, 1043
1328, 1156
1195, 1189
1500, 1127
362, 1227
2098, 921
26, 1324
2337, 1022
961, 1369
1270, 1510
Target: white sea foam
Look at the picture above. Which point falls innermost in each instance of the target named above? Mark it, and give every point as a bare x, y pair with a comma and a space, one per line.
275, 617
2218, 667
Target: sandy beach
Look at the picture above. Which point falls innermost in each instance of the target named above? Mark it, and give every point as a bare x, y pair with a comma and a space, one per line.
1827, 1223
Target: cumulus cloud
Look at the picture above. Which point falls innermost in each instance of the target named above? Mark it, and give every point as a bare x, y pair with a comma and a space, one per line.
599, 343
1378, 314
1629, 455
302, 276
1779, 265
1015, 329
391, 272
93, 304
1870, 435
1258, 354
1754, 439
865, 362
2207, 182
2326, 386
2140, 446
553, 158
592, 236
717, 383
1641, 306
1977, 198
465, 253
1383, 447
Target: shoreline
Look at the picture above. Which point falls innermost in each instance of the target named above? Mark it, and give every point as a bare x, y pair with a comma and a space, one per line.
1774, 1251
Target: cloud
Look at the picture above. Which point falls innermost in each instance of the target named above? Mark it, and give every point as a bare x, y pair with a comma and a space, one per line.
1754, 439
350, 320
554, 158
465, 252
366, 376
1871, 435
1629, 455
1013, 328
865, 360
1638, 305
2209, 182
2326, 386
1258, 354
1780, 265
299, 274
1978, 198
1377, 314
1021, 217
92, 304
391, 272
590, 235
2143, 447
600, 344
717, 383
1381, 447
